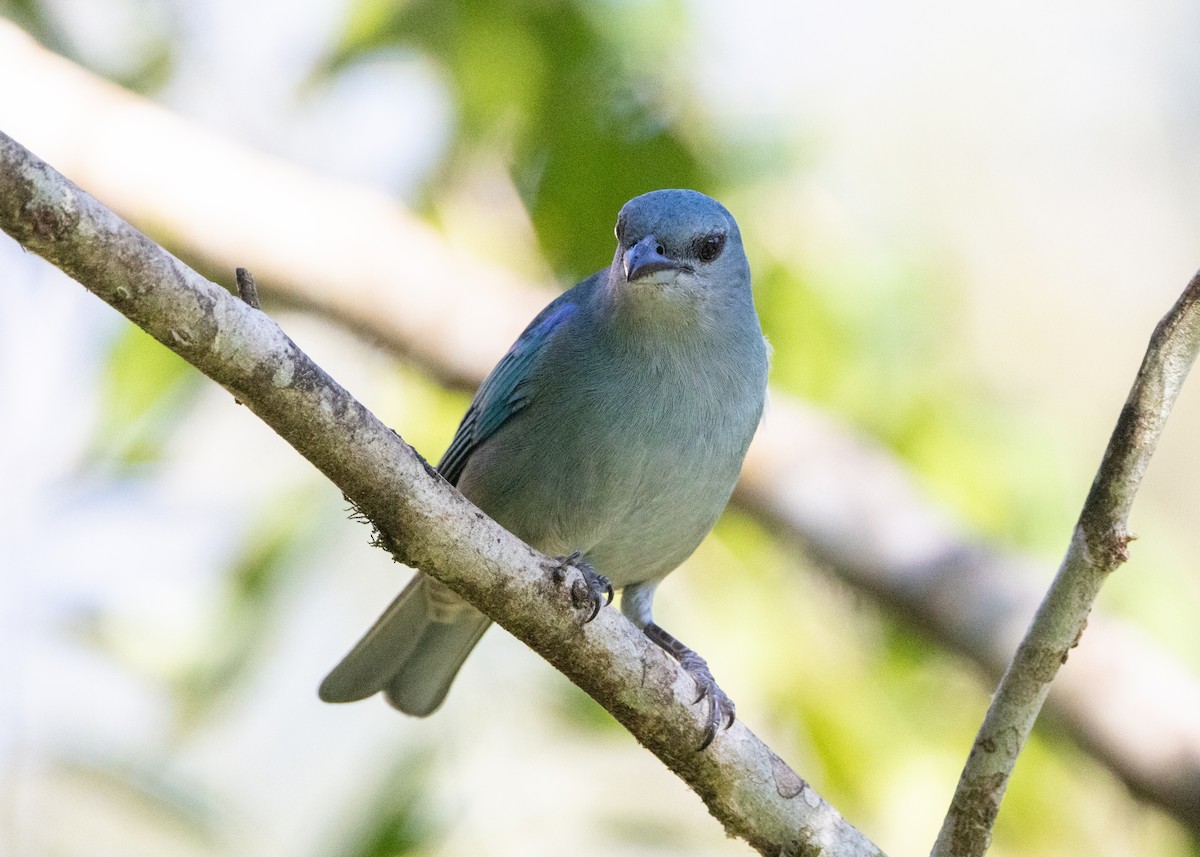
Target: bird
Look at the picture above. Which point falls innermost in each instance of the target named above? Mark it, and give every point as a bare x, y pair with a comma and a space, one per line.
610, 436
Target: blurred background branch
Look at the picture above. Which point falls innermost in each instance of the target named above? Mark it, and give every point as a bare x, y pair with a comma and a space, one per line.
864, 338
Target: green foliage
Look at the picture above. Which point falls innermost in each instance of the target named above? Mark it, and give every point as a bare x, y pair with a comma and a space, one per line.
397, 821
144, 62
877, 345
33, 17
577, 106
98, 789
256, 588
145, 393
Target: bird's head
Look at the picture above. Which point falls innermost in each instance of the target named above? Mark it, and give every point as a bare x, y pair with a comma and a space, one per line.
681, 243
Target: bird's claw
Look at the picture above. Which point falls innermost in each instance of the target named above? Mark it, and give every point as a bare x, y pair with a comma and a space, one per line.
591, 590
720, 706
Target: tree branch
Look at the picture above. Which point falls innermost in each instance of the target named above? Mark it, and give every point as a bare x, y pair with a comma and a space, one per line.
1099, 545
421, 518
812, 479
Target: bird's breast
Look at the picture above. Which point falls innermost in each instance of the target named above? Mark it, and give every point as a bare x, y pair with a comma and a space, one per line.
628, 460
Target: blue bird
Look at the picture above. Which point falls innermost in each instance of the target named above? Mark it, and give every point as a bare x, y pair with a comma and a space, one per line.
610, 435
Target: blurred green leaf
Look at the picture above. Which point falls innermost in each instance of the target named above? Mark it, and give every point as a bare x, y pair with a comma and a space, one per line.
578, 711
33, 17
151, 71
92, 800
281, 536
146, 391
581, 111
395, 818
145, 62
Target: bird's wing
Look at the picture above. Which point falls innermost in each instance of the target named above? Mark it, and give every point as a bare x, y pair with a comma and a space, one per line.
503, 392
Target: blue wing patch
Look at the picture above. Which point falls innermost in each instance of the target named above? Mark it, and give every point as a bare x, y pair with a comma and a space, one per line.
501, 394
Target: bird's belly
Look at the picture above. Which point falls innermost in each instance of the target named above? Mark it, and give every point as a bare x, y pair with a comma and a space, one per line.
636, 496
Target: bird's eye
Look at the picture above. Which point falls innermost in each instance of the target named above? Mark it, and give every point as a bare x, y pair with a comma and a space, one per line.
619, 231
711, 247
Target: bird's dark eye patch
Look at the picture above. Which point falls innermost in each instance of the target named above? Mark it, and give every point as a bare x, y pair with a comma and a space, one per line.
710, 247
619, 231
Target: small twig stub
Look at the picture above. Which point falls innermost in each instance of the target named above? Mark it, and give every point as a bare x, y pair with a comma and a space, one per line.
247, 288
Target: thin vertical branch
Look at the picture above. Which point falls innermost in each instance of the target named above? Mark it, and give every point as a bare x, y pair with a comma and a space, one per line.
1098, 546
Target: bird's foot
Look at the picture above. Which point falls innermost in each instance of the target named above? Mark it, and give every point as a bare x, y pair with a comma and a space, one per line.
720, 706
591, 591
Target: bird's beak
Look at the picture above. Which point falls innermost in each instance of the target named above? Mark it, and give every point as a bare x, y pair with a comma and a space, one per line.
645, 258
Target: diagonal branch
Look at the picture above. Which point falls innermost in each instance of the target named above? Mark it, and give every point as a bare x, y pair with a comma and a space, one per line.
422, 519
1099, 545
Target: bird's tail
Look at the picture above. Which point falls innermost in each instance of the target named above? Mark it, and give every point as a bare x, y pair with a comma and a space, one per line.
412, 652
